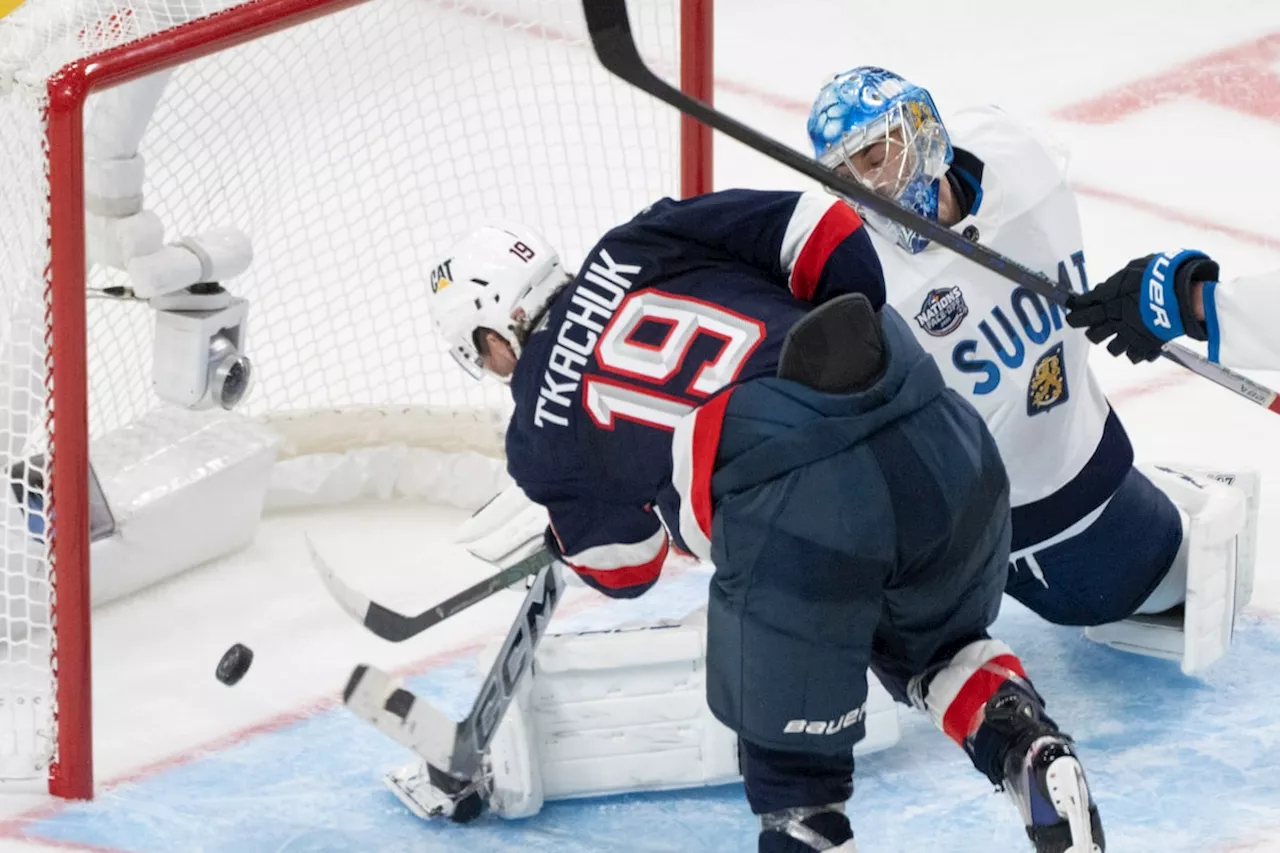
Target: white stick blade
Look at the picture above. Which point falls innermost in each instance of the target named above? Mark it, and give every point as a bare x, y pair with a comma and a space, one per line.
356, 604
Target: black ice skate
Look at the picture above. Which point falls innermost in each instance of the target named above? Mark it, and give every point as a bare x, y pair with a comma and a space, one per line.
807, 829
1044, 777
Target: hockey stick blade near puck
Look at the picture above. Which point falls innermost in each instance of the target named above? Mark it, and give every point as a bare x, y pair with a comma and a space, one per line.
234, 664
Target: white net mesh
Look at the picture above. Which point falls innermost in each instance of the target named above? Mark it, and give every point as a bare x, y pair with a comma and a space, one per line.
25, 638
350, 150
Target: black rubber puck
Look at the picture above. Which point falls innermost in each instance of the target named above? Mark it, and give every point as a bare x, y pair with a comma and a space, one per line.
234, 664
467, 809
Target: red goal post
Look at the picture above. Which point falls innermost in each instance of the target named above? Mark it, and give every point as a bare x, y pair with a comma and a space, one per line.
608, 168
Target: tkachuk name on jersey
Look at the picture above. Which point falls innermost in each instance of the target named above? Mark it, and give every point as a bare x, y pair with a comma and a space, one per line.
943, 311
596, 295
826, 727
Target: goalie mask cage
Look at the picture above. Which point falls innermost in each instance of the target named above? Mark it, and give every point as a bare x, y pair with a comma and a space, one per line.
351, 141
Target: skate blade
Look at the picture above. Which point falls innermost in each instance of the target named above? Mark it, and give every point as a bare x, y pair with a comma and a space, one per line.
417, 794
1069, 795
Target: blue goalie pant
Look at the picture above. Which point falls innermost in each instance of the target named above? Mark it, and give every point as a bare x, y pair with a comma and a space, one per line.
1103, 573
848, 531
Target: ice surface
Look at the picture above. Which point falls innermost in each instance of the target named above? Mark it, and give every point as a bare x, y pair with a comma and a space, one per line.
185, 764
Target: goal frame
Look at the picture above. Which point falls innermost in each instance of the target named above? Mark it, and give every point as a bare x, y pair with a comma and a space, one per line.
66, 377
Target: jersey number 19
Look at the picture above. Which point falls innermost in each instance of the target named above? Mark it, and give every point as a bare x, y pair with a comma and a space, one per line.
685, 319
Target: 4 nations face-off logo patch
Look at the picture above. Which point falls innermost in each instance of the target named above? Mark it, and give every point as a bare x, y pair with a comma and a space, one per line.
1048, 386
943, 311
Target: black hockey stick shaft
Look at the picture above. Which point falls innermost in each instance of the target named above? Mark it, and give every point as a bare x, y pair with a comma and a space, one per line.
396, 627
615, 46
456, 748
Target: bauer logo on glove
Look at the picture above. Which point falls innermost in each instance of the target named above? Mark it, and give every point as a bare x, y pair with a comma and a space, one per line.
1154, 309
1145, 305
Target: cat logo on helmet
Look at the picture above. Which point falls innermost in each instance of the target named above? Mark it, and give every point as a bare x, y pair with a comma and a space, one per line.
441, 276
1048, 387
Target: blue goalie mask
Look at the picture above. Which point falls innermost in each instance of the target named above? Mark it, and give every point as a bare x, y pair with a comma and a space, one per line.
887, 134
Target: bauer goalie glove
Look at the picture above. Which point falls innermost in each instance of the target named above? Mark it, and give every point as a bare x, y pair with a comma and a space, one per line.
1145, 305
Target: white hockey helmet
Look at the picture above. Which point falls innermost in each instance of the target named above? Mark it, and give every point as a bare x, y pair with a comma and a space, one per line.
499, 277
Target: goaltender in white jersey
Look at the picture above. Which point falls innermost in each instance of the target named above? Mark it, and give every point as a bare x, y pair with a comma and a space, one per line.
1009, 351
1096, 541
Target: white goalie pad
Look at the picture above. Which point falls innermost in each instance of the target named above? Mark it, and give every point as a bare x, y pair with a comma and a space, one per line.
1219, 530
622, 711
1250, 483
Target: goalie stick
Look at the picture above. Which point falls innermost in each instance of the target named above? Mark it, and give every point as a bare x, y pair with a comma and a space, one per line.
615, 46
454, 751
396, 627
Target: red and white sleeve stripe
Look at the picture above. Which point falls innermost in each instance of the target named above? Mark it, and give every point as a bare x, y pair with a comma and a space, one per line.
621, 566
693, 451
819, 223
960, 690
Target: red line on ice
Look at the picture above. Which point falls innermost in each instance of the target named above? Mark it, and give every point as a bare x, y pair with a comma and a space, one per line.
1240, 78
17, 826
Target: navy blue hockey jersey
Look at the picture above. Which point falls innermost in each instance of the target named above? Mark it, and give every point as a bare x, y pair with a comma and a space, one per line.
686, 299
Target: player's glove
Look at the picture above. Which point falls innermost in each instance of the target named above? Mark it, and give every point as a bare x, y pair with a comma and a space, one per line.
1145, 305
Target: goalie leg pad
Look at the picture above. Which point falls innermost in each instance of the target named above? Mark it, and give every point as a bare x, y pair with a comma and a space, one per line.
1250, 483
611, 712
1199, 633
621, 711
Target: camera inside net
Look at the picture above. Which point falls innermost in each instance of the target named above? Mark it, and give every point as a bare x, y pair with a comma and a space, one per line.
198, 360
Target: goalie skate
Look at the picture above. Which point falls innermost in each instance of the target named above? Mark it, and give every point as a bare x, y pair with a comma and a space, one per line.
431, 793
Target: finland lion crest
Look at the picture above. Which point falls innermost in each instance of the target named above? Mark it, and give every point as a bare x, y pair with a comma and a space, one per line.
1048, 386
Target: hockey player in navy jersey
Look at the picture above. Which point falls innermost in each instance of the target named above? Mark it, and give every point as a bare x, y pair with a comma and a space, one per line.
1143, 556
855, 510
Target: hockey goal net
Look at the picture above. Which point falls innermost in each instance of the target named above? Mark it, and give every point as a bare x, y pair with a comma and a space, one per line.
349, 141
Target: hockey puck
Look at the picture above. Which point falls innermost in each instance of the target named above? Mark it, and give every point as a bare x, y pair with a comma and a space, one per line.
467, 809
234, 664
